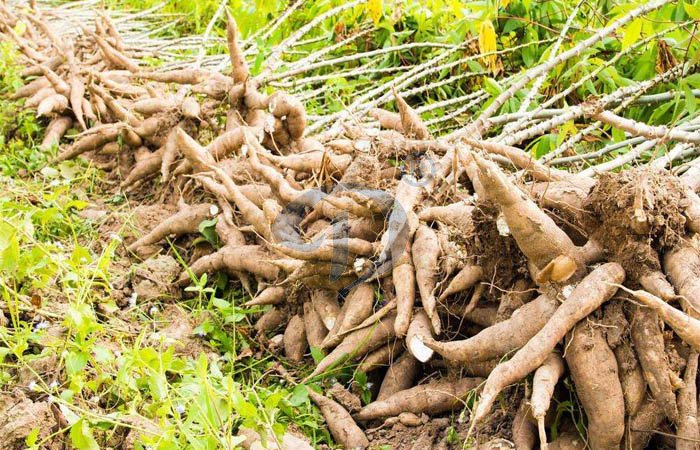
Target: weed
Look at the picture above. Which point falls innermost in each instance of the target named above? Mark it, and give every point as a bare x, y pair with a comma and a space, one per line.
107, 371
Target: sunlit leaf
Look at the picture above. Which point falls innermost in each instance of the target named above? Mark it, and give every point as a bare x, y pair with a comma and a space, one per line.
81, 436
207, 228
299, 396
9, 250
75, 362
374, 10
566, 130
487, 44
692, 10
20, 28
632, 33
690, 100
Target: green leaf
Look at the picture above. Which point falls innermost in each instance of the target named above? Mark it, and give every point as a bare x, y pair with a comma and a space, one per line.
81, 436
76, 204
279, 429
618, 135
512, 25
9, 256
102, 354
632, 33
300, 396
158, 386
693, 80
246, 409
273, 400
208, 230
690, 101
659, 112
4, 351
259, 58
220, 303
692, 10
32, 437
545, 145
317, 354
530, 53
590, 87
492, 87
75, 362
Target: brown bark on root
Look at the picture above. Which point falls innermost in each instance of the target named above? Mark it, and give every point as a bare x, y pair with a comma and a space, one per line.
400, 376
182, 222
594, 370
524, 432
313, 326
501, 338
249, 258
432, 398
649, 346
340, 423
539, 238
631, 377
295, 339
590, 293
358, 343
687, 433
641, 425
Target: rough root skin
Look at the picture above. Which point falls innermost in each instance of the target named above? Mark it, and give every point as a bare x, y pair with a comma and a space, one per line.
415, 256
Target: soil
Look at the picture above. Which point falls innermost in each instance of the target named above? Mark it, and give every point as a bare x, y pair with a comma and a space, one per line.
153, 279
19, 415
176, 328
636, 215
447, 432
497, 254
347, 399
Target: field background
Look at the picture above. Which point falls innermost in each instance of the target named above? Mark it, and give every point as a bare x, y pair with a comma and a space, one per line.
108, 361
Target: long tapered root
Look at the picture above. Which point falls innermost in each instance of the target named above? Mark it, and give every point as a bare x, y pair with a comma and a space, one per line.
396, 259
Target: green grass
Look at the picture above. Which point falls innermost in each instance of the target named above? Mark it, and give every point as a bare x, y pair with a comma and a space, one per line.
196, 14
56, 273
58, 269
515, 23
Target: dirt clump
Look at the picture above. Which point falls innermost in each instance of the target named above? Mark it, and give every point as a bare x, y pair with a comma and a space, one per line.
19, 415
175, 327
495, 250
636, 215
154, 278
347, 399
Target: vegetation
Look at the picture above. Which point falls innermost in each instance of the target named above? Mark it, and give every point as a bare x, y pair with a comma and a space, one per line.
195, 367
57, 277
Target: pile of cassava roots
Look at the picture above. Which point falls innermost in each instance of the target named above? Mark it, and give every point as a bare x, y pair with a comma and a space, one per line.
449, 269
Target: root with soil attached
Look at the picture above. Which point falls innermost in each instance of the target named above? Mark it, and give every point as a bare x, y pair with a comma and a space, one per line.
421, 275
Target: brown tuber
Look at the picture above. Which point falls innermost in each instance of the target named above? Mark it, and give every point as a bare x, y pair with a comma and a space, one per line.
340, 423
432, 398
588, 295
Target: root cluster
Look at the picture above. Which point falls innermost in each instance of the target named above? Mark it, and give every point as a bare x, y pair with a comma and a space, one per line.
440, 272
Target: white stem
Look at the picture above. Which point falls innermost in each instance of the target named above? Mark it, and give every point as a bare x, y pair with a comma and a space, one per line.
623, 97
620, 160
641, 129
207, 32
537, 85
273, 61
480, 125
